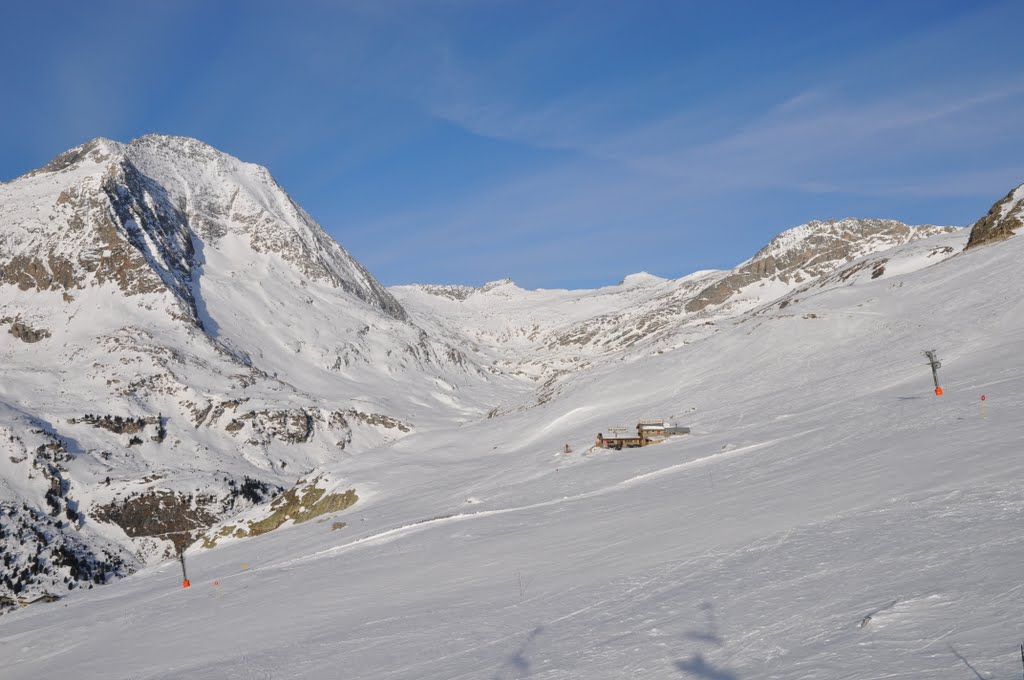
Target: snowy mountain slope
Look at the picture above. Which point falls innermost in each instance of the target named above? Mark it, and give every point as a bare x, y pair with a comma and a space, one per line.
809, 251
828, 517
171, 323
887, 264
220, 195
145, 201
536, 332
547, 334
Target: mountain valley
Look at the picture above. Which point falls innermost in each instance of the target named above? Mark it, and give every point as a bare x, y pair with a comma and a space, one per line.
190, 363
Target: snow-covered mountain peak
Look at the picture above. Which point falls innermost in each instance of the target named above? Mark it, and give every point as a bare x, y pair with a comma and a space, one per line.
504, 285
144, 214
98, 151
186, 166
640, 279
221, 195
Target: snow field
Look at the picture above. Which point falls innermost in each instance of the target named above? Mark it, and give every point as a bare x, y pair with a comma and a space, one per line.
807, 499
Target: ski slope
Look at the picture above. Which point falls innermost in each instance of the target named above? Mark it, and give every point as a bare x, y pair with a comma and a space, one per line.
828, 518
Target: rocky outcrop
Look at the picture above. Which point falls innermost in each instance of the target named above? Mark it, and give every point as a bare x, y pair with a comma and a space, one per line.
160, 513
116, 424
181, 517
306, 500
260, 427
1005, 218
341, 422
26, 333
291, 426
49, 272
451, 292
809, 251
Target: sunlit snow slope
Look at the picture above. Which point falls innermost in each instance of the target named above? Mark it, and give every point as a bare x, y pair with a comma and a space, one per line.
829, 517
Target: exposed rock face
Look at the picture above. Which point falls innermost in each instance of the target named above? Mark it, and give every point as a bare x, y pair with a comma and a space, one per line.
181, 517
158, 513
308, 499
809, 251
1005, 217
450, 292
291, 426
51, 272
111, 224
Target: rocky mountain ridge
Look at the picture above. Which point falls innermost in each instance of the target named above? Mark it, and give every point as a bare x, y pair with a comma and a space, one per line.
812, 250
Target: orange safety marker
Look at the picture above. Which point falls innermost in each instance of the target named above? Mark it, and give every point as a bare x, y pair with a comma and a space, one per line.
935, 364
185, 583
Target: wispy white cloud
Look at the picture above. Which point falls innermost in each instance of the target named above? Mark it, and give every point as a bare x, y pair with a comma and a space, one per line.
837, 134
846, 141
787, 145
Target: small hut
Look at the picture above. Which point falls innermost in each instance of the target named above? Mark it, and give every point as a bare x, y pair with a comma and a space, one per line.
650, 431
619, 438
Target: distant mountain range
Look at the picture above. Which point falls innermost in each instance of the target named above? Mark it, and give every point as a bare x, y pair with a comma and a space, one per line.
183, 342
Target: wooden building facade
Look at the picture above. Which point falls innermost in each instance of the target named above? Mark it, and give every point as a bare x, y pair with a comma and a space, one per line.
646, 432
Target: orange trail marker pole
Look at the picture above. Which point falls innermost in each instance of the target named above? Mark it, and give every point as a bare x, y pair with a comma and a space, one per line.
934, 362
184, 575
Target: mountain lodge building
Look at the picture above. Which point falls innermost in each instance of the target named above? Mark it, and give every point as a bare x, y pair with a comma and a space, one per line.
646, 432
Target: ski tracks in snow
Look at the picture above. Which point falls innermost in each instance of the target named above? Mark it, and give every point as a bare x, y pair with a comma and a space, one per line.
413, 527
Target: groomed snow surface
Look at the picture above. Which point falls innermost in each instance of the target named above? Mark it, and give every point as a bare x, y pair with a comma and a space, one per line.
829, 517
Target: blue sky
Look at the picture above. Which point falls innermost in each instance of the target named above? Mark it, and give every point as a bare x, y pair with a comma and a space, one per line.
560, 143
